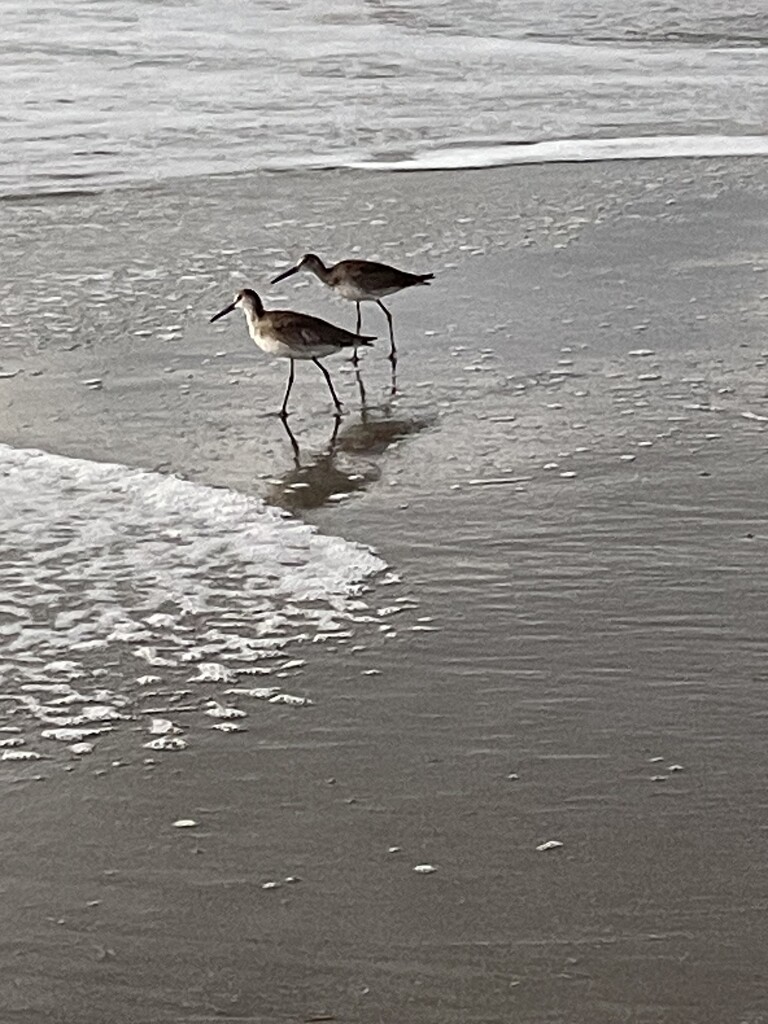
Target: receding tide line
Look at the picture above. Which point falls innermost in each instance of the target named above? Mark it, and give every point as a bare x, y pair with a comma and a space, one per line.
573, 151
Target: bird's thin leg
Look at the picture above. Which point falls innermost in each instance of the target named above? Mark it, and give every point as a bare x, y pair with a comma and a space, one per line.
329, 382
361, 387
388, 315
284, 407
334, 433
294, 442
393, 364
355, 356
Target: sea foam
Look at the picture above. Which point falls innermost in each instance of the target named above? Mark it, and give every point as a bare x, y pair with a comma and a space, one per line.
98, 561
585, 150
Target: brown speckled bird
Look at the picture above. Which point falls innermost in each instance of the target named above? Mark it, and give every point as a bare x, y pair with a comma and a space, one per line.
360, 281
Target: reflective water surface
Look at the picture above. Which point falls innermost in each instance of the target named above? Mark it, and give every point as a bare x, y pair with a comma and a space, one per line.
105, 93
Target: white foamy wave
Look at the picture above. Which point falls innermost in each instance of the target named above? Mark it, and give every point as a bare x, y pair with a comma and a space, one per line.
102, 565
572, 151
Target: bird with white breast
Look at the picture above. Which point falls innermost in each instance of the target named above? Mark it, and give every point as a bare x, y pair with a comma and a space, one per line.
292, 336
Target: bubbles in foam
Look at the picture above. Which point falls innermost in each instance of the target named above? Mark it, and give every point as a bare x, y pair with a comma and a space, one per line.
105, 570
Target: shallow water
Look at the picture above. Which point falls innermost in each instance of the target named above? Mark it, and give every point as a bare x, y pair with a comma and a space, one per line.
121, 588
561, 364
117, 92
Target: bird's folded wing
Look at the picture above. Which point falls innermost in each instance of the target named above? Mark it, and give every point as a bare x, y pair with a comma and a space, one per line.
372, 275
304, 331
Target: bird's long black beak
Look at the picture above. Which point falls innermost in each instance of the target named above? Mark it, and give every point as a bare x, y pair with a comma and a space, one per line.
285, 273
223, 312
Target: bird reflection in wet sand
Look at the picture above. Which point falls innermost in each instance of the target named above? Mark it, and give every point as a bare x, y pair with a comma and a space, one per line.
347, 461
361, 385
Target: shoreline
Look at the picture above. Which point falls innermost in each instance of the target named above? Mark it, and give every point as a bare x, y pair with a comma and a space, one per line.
585, 661
461, 157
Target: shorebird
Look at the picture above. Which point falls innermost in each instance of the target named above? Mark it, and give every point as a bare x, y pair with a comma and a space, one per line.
360, 281
281, 332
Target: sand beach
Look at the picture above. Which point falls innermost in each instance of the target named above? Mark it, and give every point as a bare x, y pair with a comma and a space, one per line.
565, 641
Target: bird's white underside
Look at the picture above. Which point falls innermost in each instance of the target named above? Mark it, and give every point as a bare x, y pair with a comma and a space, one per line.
354, 294
307, 348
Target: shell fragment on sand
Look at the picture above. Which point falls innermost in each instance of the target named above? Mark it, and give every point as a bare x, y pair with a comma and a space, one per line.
216, 710
70, 735
257, 692
163, 727
291, 701
81, 749
166, 743
213, 672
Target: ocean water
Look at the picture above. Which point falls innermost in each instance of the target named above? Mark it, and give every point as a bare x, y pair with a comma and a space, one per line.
112, 92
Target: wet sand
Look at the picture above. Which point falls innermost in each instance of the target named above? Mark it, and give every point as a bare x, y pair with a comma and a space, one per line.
571, 485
